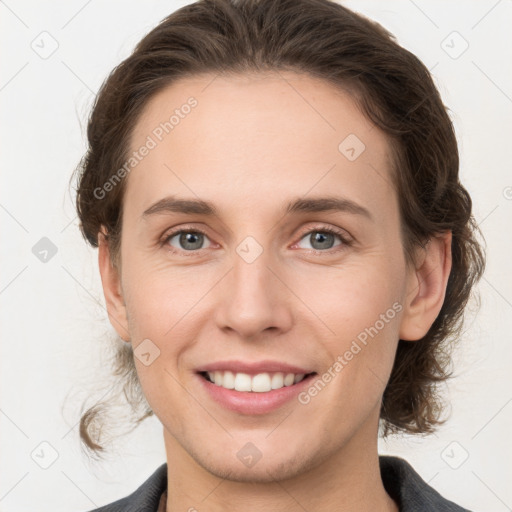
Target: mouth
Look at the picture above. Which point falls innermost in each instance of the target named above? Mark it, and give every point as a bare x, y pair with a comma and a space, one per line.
253, 394
264, 382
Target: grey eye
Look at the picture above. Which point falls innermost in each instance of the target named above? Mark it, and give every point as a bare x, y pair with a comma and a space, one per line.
321, 240
188, 240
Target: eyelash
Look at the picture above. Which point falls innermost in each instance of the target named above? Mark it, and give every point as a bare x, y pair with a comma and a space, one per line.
319, 229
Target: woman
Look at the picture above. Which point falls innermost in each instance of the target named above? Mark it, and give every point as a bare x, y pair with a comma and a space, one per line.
285, 250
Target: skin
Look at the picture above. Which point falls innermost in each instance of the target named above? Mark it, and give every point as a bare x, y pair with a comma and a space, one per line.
252, 144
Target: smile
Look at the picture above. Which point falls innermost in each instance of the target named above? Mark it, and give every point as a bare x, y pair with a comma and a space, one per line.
260, 383
260, 400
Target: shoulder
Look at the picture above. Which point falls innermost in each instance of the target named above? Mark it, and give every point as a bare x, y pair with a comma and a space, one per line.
145, 498
409, 490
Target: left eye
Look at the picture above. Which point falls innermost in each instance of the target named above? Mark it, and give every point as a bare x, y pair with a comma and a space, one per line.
322, 239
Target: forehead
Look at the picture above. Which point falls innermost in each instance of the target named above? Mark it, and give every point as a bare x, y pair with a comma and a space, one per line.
264, 134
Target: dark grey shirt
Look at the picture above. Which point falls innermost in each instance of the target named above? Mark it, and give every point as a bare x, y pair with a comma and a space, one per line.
400, 480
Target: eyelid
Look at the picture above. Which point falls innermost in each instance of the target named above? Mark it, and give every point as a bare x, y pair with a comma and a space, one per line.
344, 235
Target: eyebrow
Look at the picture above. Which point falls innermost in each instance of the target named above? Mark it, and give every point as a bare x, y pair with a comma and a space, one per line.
172, 204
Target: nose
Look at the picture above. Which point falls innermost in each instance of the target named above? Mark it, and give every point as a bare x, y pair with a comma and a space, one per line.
254, 299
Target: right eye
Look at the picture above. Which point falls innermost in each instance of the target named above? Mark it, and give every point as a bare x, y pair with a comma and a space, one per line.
185, 240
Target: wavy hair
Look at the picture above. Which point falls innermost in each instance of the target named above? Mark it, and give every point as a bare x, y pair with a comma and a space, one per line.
392, 88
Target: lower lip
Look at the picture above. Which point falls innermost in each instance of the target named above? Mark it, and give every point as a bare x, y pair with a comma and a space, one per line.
251, 402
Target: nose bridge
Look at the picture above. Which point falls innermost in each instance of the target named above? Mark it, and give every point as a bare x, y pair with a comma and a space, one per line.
251, 277
253, 297
250, 269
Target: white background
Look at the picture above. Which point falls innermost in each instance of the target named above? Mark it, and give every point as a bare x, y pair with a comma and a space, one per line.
52, 316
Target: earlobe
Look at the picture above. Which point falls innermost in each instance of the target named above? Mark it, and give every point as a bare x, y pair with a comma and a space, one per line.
426, 287
112, 290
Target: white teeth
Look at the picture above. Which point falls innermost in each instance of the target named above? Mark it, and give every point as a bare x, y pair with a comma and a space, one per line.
242, 382
277, 381
298, 377
288, 380
260, 383
228, 380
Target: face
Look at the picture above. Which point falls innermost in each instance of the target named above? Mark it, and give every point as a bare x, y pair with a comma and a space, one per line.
321, 289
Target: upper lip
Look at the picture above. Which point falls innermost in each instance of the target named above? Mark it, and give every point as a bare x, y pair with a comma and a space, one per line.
253, 368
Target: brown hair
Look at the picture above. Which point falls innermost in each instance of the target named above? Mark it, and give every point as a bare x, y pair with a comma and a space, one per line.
392, 88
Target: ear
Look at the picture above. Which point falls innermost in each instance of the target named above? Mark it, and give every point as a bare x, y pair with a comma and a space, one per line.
426, 287
112, 290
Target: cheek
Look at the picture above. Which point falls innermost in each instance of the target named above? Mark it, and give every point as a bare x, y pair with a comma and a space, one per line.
159, 296
358, 313
353, 297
